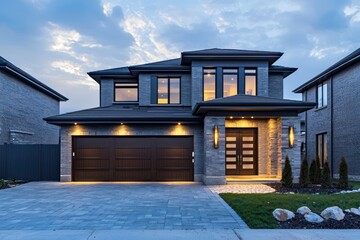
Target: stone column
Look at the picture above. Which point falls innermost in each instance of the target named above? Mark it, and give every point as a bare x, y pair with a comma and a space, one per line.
214, 158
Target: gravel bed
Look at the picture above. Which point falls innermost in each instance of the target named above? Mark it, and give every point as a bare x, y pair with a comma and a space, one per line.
241, 188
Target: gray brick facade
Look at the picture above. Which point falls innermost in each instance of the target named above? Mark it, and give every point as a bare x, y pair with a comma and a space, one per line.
343, 110
22, 111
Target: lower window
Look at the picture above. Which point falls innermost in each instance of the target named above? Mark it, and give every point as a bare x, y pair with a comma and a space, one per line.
321, 147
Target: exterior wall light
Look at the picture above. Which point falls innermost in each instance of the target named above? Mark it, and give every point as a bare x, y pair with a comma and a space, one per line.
216, 137
291, 136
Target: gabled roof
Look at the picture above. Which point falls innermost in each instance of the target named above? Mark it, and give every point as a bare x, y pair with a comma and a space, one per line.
28, 79
344, 63
126, 114
229, 54
248, 103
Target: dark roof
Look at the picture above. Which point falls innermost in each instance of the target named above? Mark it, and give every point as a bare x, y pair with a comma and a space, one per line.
285, 71
344, 63
28, 79
132, 71
250, 103
229, 54
127, 114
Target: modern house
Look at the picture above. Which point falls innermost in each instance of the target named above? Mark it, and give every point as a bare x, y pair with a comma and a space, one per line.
332, 127
211, 115
24, 102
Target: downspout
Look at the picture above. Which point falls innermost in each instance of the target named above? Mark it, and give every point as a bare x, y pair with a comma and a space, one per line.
332, 126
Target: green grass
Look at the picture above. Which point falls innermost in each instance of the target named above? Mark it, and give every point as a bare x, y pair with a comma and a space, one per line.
256, 209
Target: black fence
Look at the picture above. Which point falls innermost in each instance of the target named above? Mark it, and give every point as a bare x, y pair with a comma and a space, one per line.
32, 162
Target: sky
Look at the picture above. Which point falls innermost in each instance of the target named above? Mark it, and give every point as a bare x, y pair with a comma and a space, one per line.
59, 41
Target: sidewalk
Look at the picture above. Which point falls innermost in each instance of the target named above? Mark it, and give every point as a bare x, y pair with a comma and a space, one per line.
244, 234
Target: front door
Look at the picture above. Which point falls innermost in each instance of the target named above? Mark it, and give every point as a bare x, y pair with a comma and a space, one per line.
241, 154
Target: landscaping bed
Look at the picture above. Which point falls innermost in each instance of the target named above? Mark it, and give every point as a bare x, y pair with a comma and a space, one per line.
4, 184
313, 189
256, 209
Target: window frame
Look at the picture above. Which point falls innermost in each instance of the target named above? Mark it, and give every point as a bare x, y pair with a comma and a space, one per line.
322, 94
126, 82
256, 79
323, 136
203, 81
168, 89
223, 80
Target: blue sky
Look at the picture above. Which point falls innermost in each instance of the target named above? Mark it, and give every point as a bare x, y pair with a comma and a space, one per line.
58, 41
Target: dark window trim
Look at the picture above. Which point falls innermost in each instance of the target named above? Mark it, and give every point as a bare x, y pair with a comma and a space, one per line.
203, 80
322, 159
251, 74
322, 93
127, 82
157, 90
237, 76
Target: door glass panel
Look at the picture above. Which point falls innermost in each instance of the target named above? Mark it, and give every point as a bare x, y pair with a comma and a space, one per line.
248, 145
231, 159
248, 159
230, 166
231, 145
247, 166
230, 138
248, 138
248, 152
230, 152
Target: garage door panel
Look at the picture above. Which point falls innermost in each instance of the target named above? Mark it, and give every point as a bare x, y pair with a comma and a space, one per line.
133, 159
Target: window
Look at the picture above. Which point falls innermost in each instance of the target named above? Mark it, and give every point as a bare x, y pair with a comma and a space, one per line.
230, 81
321, 95
250, 82
168, 90
126, 92
321, 147
209, 75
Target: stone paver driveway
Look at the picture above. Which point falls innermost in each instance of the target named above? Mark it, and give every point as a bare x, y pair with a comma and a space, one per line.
78, 206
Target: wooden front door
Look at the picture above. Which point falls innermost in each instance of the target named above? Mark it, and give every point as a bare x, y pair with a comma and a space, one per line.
241, 151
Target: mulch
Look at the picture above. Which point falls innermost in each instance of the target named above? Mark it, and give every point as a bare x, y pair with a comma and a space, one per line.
312, 189
350, 221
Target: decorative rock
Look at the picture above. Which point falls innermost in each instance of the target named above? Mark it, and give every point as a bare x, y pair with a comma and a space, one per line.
303, 210
283, 214
355, 211
333, 212
347, 210
313, 218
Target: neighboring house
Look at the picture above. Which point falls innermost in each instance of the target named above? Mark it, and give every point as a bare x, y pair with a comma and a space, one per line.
332, 128
212, 115
24, 102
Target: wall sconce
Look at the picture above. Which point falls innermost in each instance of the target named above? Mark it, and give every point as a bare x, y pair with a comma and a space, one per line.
291, 136
216, 137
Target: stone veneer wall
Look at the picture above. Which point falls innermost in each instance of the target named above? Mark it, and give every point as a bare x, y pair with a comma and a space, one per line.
294, 153
67, 132
269, 143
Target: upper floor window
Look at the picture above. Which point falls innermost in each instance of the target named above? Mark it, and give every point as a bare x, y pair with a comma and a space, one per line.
168, 90
321, 147
209, 75
126, 92
230, 82
321, 95
250, 81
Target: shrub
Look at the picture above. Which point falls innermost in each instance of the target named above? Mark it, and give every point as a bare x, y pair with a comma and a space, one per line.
312, 171
325, 176
287, 178
304, 173
343, 174
3, 183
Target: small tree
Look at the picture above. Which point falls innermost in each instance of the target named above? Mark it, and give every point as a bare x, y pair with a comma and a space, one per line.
325, 176
304, 173
318, 171
287, 178
312, 171
343, 174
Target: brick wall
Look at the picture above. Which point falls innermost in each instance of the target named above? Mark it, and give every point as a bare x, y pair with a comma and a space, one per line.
22, 111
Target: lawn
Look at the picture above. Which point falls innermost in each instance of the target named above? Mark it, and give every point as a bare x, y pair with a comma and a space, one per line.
256, 209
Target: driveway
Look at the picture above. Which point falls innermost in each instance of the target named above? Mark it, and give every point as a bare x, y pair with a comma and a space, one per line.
108, 206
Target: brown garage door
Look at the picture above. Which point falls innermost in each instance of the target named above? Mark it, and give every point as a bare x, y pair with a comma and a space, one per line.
132, 159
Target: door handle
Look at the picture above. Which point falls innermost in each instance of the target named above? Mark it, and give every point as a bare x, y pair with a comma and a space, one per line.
239, 158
